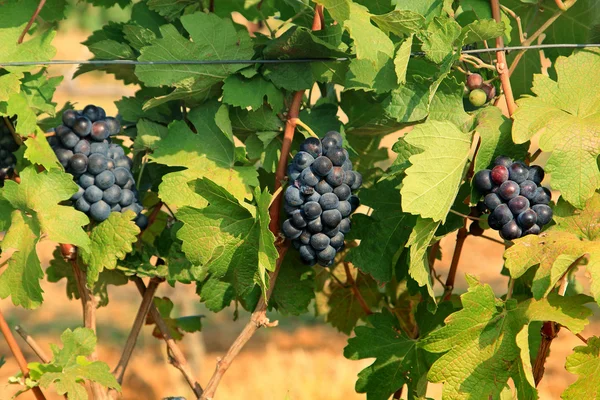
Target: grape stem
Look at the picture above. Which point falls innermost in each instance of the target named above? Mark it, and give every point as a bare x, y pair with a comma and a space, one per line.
476, 62
354, 287
517, 19
550, 329
176, 356
465, 216
460, 241
140, 319
32, 344
18, 353
501, 64
298, 121
12, 131
259, 318
33, 17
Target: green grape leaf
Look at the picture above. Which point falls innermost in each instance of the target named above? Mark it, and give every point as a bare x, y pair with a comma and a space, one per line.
575, 234
236, 241
294, 290
18, 105
39, 151
399, 359
447, 105
207, 154
486, 330
38, 89
339, 9
40, 193
176, 326
399, 22
213, 38
69, 369
369, 41
21, 279
433, 179
427, 8
567, 111
172, 10
288, 76
365, 75
148, 135
215, 294
339, 304
242, 92
111, 240
9, 84
438, 40
299, 42
401, 59
419, 241
383, 234
585, 363
481, 30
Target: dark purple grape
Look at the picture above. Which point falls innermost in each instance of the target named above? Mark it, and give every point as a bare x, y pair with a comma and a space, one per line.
82, 126
499, 174
78, 163
511, 231
69, 140
64, 156
328, 143
337, 156
93, 194
319, 241
100, 131
78, 194
315, 225
312, 146
307, 177
303, 160
327, 254
298, 219
82, 205
509, 190
127, 198
305, 237
307, 254
122, 176
114, 127
293, 196
518, 204
141, 221
345, 208
492, 201
339, 140
331, 217
86, 180
99, 148
116, 208
100, 211
331, 232
542, 196
503, 160
83, 147
534, 230
518, 172
527, 219
337, 241
349, 178
474, 81
347, 165
312, 210
354, 202
97, 163
69, 117
482, 181
292, 173
112, 195
342, 192
475, 229
329, 201
335, 177
123, 161
544, 214
357, 181
313, 197
290, 231
502, 214
92, 112
322, 166
323, 187
527, 188
536, 174
345, 225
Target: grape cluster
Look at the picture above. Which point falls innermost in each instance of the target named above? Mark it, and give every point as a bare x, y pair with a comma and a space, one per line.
101, 169
514, 197
479, 92
319, 200
7, 147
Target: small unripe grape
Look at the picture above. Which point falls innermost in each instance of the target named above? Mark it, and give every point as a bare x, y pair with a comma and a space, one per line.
478, 97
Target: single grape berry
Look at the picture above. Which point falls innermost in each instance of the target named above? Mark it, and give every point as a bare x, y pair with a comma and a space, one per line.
518, 172
536, 174
475, 229
344, 208
93, 194
329, 201
312, 210
339, 140
534, 230
511, 231
509, 190
112, 195
293, 196
307, 177
82, 126
100, 131
337, 241
290, 230
331, 217
328, 143
78, 163
69, 117
327, 254
100, 211
528, 188
337, 156
489, 90
544, 214
343, 192
502, 214
308, 255
527, 219
542, 196
91, 112
483, 181
303, 160
499, 174
518, 204
474, 81
322, 166
478, 97
323, 187
492, 201
315, 225
503, 160
114, 127
312, 146
298, 219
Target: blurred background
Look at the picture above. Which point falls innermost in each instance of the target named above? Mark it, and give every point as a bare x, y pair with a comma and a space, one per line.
301, 359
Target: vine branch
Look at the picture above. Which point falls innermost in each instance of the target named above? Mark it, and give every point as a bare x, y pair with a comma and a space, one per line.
460, 241
33, 344
259, 316
550, 330
31, 20
176, 356
350, 280
502, 65
16, 351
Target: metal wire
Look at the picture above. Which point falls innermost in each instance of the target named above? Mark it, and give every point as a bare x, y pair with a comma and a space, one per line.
289, 61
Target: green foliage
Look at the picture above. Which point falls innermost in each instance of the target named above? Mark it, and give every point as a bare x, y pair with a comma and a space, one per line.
206, 152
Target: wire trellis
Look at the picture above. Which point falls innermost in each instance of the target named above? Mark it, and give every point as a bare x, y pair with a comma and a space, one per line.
288, 61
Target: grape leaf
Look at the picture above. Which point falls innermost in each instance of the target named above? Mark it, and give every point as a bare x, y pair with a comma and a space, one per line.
483, 337
242, 92
365, 75
399, 359
419, 241
215, 294
399, 22
383, 234
237, 245
401, 59
299, 42
295, 286
339, 304
447, 105
481, 30
69, 369
438, 40
567, 110
38, 88
40, 193
433, 179
39, 151
171, 10
148, 135
21, 279
110, 240
213, 38
209, 153
176, 326
17, 105
369, 41
427, 8
339, 9
584, 362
